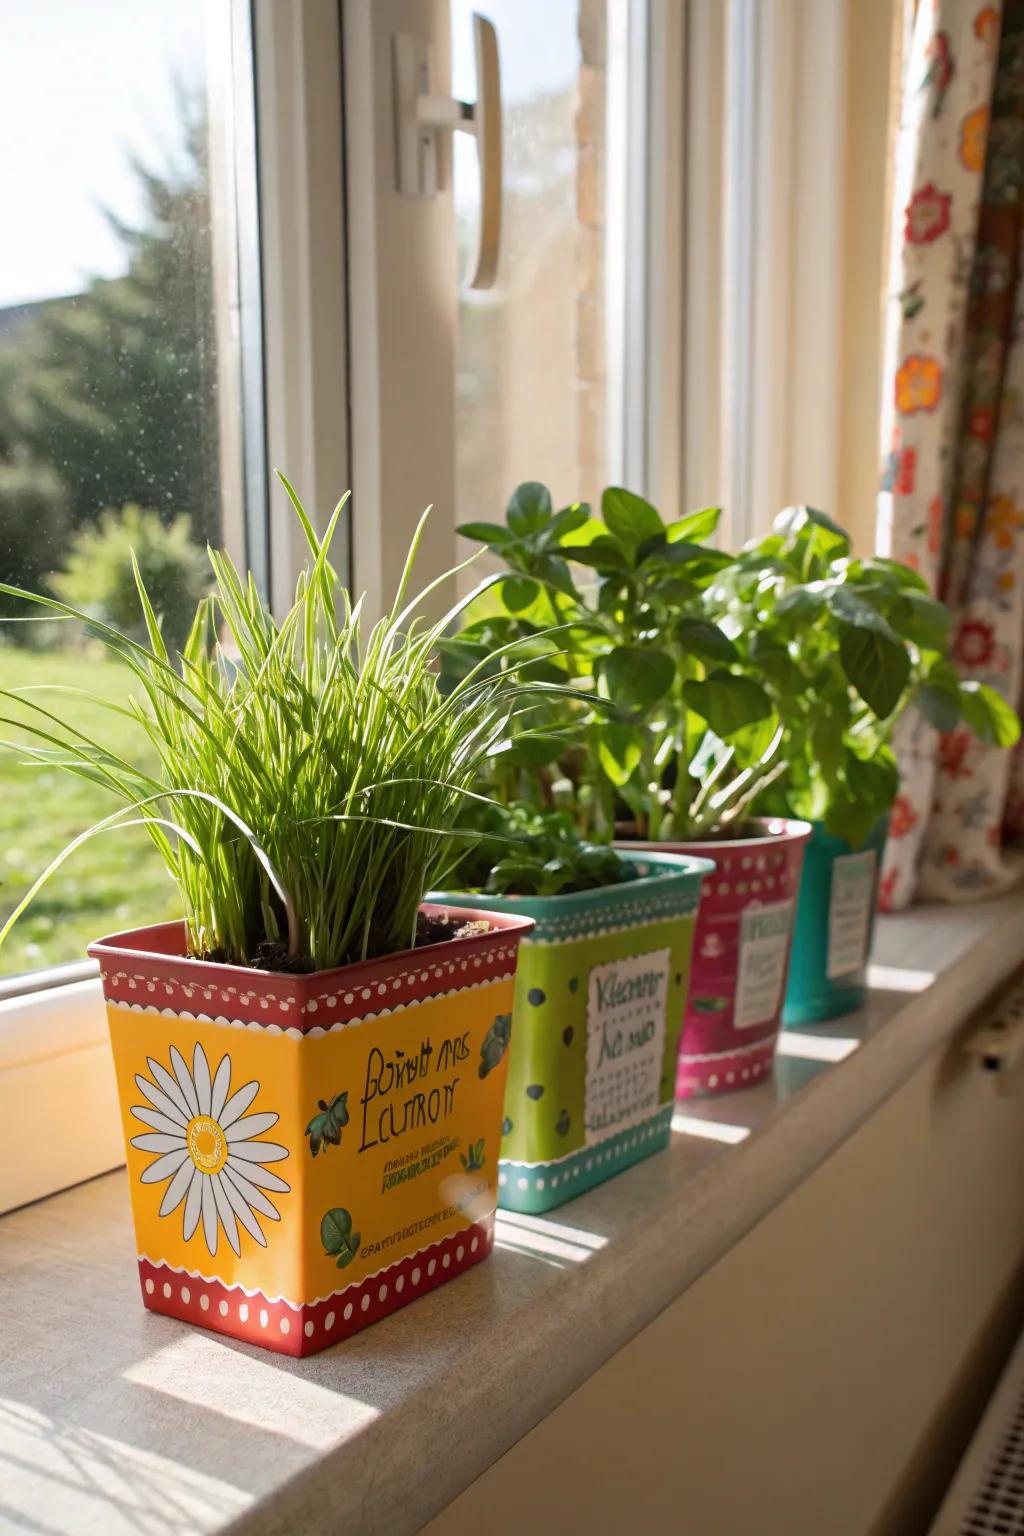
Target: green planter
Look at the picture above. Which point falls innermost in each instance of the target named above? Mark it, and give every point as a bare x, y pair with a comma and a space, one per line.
599, 1005
835, 918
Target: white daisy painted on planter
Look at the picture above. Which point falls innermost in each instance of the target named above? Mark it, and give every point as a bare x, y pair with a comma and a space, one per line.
207, 1148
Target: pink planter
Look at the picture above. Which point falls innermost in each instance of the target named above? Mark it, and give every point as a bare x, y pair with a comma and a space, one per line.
740, 956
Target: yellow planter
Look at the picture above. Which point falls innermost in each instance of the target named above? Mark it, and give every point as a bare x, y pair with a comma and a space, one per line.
308, 1153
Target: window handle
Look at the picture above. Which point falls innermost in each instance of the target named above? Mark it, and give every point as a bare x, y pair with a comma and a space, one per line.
422, 117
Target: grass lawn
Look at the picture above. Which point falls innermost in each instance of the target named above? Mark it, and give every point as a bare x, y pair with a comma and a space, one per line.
111, 882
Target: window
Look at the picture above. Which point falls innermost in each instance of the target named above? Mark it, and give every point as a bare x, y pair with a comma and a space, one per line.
530, 353
459, 394
122, 403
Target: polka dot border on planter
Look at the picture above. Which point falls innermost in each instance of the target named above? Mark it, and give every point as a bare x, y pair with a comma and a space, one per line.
536, 1187
723, 1071
586, 924
274, 1323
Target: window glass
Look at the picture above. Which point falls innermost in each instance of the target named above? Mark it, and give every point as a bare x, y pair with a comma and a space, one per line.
118, 406
531, 378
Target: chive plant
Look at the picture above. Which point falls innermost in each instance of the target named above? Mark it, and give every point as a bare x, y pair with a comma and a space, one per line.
310, 771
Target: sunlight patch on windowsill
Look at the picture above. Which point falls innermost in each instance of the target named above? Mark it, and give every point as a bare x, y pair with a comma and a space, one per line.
247, 1389
898, 978
551, 1240
710, 1130
816, 1047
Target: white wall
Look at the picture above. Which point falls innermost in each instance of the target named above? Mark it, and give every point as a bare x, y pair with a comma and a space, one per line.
821, 1379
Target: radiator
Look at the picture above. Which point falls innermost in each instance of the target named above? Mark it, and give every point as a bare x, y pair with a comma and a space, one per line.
987, 1495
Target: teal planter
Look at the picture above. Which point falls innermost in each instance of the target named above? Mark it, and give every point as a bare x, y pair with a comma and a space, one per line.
599, 1004
835, 918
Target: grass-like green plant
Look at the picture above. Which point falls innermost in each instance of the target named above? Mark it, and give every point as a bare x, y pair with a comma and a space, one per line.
310, 772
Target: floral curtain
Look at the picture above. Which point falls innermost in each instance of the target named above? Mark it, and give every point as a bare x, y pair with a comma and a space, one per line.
952, 502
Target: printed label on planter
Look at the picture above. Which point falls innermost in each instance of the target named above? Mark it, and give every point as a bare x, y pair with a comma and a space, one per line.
625, 1041
849, 914
764, 938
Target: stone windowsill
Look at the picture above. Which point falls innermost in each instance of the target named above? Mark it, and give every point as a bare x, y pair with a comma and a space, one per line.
114, 1420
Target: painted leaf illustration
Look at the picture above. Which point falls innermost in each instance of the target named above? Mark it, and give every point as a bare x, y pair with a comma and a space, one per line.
495, 1043
349, 1252
325, 1128
336, 1234
335, 1229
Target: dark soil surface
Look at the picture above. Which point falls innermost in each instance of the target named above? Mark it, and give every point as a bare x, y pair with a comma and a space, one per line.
437, 930
272, 955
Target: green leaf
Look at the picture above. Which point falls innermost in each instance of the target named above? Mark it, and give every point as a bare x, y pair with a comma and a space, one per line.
637, 676
890, 572
630, 518
794, 520
771, 660
603, 553
922, 620
940, 706
569, 520
590, 529
518, 592
878, 668
556, 573
494, 534
988, 715
872, 655
529, 509
619, 750
531, 749
458, 658
827, 746
870, 785
802, 602
695, 525
728, 701
705, 639
683, 552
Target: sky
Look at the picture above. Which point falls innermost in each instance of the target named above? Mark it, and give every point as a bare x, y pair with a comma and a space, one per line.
85, 84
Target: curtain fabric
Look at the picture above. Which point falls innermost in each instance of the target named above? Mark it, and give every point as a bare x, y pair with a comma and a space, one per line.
952, 500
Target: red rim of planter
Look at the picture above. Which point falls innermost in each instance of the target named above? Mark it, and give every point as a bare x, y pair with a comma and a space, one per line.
149, 966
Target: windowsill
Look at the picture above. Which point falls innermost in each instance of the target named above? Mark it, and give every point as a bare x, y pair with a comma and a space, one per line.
113, 1419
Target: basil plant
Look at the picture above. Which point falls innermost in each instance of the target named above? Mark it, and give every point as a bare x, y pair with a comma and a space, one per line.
667, 732
844, 647
699, 687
